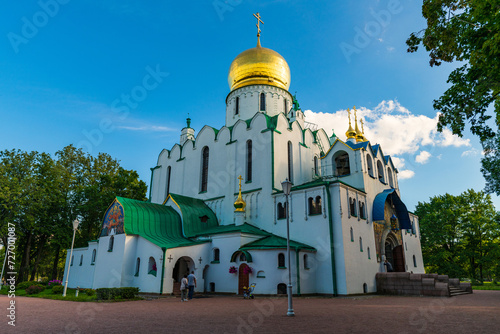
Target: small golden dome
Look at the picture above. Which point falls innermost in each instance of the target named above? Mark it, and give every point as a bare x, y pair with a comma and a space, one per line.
259, 66
350, 133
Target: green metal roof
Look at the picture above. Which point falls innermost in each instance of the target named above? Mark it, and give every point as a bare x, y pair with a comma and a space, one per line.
245, 228
275, 242
157, 223
193, 210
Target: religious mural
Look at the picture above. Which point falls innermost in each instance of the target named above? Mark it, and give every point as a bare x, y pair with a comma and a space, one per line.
113, 219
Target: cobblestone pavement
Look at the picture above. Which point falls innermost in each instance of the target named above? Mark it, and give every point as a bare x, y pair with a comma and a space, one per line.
476, 313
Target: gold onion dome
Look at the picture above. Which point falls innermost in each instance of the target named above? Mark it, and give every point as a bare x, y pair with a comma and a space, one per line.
259, 66
350, 133
240, 204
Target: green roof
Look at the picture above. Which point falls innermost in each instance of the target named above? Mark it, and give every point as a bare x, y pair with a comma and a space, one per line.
157, 223
193, 210
245, 228
275, 242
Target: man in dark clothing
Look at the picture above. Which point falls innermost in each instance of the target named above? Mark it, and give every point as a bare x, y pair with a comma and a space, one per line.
388, 266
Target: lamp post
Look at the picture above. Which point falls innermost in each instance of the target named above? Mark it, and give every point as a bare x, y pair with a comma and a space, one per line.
287, 187
76, 222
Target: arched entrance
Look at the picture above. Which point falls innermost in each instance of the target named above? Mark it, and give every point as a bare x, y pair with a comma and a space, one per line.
394, 253
183, 266
243, 278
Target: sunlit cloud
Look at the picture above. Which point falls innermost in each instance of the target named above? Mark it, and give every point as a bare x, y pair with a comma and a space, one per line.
423, 157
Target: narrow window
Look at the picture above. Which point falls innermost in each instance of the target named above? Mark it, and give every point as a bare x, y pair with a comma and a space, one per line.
137, 266
341, 163
352, 235
312, 206
281, 260
380, 172
152, 266
316, 171
406, 246
243, 257
306, 262
370, 165
290, 161
318, 204
111, 243
204, 169
369, 256
93, 256
352, 206
414, 261
237, 106
216, 254
262, 102
167, 190
286, 106
81, 259
72, 258
249, 161
360, 244
281, 211
362, 210
389, 176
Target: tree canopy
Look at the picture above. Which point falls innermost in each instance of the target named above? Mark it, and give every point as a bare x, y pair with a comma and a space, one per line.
42, 195
461, 235
467, 32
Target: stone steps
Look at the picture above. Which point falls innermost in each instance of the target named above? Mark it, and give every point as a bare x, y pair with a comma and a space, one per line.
454, 291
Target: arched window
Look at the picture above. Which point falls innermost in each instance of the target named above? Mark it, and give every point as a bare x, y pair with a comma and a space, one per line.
204, 169
365, 288
281, 210
137, 266
261, 274
380, 172
285, 101
314, 205
262, 102
362, 213
318, 204
352, 235
370, 164
111, 243
216, 255
249, 161
243, 257
237, 106
290, 161
413, 230
81, 259
389, 176
281, 260
306, 261
414, 261
152, 266
282, 289
360, 244
341, 164
167, 190
406, 246
93, 257
369, 255
316, 169
352, 206
72, 258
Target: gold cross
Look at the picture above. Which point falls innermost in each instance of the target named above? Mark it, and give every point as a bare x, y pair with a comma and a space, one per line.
355, 116
349, 115
240, 178
362, 130
257, 16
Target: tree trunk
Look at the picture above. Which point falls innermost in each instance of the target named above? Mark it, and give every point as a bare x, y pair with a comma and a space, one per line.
38, 256
25, 262
56, 261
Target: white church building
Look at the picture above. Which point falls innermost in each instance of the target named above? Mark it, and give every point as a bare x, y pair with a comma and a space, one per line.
217, 207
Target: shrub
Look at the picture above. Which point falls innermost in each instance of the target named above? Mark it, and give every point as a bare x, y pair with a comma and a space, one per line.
55, 282
129, 293
34, 289
56, 289
89, 292
116, 293
27, 284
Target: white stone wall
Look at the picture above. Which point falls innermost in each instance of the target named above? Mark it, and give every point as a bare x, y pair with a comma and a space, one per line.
412, 247
80, 275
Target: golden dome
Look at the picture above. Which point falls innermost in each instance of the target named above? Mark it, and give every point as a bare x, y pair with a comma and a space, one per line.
259, 66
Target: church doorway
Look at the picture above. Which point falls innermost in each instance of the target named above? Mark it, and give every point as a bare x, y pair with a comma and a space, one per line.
243, 278
394, 254
182, 267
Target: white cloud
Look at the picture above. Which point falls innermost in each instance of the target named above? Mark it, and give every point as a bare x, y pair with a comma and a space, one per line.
471, 153
399, 163
423, 157
390, 48
406, 174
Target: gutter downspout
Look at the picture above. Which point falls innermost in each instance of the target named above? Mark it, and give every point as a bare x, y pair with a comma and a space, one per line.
332, 247
163, 270
298, 270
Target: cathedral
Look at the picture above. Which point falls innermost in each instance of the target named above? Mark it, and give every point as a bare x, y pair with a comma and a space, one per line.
217, 207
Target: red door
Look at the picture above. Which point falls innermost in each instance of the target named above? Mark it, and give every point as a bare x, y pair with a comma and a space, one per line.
399, 260
243, 279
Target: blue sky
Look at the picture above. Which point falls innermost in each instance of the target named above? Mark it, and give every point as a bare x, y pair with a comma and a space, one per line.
121, 77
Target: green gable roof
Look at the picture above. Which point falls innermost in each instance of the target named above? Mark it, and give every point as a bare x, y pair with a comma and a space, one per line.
275, 242
245, 228
156, 223
193, 210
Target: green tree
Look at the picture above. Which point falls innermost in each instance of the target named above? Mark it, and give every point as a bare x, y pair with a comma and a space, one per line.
460, 235
467, 32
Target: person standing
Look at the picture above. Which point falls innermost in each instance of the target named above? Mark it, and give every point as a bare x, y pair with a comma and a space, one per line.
388, 266
184, 286
191, 284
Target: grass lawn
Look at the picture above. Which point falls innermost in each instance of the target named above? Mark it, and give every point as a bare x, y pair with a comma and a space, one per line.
486, 286
47, 294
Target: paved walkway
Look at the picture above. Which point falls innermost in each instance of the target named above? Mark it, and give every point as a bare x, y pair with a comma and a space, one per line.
476, 313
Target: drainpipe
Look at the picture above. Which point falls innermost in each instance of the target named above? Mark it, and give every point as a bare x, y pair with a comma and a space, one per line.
332, 247
163, 269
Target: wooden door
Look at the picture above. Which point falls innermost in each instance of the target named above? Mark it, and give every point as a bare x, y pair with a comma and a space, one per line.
399, 260
243, 279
